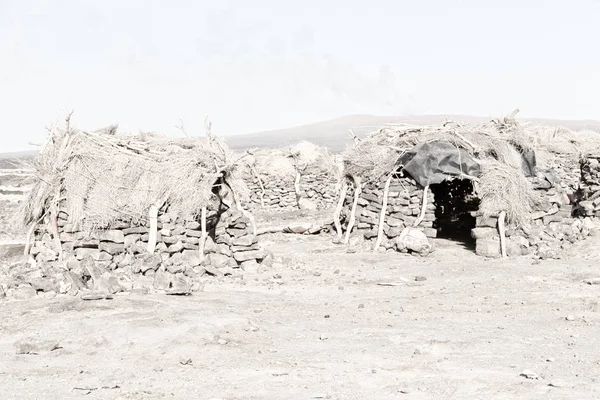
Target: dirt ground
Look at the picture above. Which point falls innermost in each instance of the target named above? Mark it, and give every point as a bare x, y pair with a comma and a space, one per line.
323, 323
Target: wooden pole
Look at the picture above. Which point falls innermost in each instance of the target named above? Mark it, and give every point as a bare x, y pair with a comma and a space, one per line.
386, 191
501, 231
28, 242
423, 207
338, 209
297, 187
262, 187
153, 216
357, 191
204, 235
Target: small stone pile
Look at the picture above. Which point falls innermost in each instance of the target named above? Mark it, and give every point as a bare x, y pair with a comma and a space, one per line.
405, 198
117, 259
280, 193
552, 229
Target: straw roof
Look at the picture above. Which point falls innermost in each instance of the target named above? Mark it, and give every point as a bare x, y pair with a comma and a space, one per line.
497, 146
304, 157
106, 177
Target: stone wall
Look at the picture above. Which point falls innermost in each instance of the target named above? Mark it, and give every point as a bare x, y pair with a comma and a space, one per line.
405, 198
552, 229
590, 177
280, 192
117, 259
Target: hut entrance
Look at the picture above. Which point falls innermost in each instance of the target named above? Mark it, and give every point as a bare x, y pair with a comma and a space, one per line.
454, 201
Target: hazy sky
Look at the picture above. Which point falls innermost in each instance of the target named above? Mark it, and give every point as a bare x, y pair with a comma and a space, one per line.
266, 64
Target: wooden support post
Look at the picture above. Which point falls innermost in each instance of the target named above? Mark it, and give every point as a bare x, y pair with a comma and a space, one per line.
357, 191
386, 191
28, 239
153, 216
501, 231
262, 187
338, 209
204, 234
297, 187
423, 207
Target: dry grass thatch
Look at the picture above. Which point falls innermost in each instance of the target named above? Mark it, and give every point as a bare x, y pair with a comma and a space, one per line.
498, 146
303, 157
106, 177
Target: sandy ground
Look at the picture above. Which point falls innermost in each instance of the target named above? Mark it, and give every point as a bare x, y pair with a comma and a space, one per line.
319, 325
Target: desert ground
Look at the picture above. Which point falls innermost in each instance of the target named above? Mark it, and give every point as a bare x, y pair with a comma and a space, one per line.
326, 321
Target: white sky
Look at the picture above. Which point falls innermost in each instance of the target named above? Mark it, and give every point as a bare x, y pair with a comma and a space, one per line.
267, 64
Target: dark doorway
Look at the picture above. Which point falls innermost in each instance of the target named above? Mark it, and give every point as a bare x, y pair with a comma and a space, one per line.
455, 200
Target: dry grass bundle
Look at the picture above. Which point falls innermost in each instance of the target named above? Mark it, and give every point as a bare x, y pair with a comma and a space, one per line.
107, 178
503, 188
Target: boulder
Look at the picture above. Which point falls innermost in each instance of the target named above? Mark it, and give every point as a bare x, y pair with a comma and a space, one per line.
249, 255
247, 240
162, 280
414, 240
489, 248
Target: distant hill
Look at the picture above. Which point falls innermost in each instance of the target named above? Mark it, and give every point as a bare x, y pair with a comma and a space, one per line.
334, 134
13, 160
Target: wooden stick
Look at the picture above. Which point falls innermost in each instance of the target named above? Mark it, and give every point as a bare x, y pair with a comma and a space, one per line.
153, 216
501, 231
357, 191
204, 235
28, 240
238, 204
338, 209
262, 187
423, 207
386, 191
297, 186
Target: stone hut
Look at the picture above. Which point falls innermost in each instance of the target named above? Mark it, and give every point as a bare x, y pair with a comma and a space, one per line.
491, 187
301, 176
107, 209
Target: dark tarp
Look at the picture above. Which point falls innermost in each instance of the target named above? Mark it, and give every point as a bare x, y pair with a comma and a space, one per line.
434, 162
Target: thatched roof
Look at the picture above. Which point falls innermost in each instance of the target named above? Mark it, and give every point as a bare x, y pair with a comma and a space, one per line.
498, 147
305, 157
106, 177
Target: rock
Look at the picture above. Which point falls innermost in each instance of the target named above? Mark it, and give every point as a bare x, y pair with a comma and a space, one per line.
483, 233
247, 240
46, 255
35, 346
165, 233
556, 383
175, 248
115, 236
180, 285
210, 246
85, 243
529, 374
148, 262
191, 258
96, 295
111, 248
162, 281
194, 234
23, 292
213, 271
489, 248
216, 260
125, 261
43, 284
592, 281
138, 230
414, 240
83, 253
298, 228
250, 266
131, 240
419, 278
249, 255
268, 260
570, 318
176, 268
192, 225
